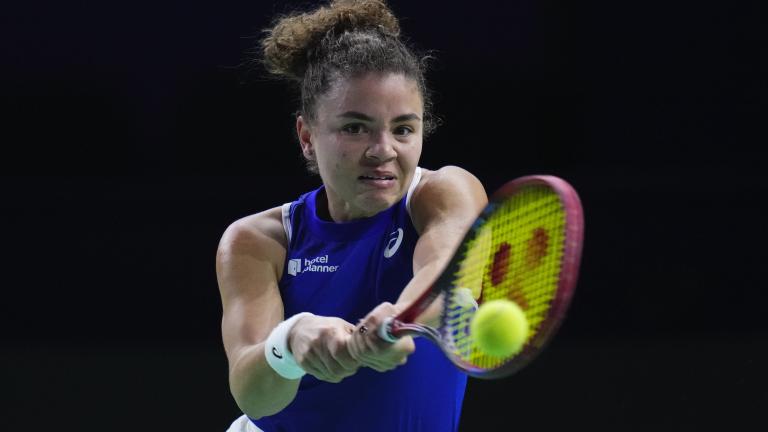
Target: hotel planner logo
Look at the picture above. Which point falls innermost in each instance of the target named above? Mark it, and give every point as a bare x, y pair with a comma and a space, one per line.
317, 264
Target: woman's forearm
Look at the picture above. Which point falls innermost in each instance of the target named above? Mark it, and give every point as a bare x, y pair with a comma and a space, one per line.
258, 390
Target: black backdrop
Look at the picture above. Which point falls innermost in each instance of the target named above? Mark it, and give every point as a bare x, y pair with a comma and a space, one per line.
133, 133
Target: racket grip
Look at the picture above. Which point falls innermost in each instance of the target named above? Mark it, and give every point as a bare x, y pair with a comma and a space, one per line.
384, 330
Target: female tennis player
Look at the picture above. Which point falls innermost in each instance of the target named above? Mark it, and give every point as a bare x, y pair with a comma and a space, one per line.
305, 285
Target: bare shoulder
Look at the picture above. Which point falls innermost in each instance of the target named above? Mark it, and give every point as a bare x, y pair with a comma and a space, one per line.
449, 176
266, 226
260, 236
447, 193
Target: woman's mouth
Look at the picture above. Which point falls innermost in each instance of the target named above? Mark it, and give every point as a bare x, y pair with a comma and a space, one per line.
383, 181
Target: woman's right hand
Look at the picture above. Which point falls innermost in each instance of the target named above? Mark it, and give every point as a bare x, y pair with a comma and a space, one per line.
319, 345
372, 351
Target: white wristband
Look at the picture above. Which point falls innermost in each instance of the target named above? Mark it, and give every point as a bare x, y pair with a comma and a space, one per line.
278, 353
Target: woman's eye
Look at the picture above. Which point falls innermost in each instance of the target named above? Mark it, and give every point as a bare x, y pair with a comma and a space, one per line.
403, 130
354, 128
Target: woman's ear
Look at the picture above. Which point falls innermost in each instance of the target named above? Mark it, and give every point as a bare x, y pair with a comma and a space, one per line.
304, 133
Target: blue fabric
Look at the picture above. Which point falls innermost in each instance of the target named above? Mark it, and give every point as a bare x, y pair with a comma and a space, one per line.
340, 269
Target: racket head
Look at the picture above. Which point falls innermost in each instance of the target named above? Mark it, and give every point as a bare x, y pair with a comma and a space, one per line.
526, 247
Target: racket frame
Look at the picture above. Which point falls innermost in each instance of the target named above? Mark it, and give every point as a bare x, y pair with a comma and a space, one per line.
403, 324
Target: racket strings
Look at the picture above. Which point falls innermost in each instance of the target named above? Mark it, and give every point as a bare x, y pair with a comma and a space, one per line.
515, 254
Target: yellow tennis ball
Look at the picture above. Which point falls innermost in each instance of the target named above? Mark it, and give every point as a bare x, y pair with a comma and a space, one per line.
499, 328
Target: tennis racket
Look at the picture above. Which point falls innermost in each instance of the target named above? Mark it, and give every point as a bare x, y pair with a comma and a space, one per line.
526, 247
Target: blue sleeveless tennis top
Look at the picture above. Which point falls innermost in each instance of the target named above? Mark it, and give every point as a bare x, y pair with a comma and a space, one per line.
346, 270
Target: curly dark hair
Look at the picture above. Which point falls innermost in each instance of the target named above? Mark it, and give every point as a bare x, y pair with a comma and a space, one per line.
344, 39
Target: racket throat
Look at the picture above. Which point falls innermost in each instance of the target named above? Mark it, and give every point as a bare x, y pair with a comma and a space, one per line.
400, 329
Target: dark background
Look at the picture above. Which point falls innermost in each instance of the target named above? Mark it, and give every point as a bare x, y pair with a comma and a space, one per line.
134, 132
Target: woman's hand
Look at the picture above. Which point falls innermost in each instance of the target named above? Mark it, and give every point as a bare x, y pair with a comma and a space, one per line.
368, 349
320, 346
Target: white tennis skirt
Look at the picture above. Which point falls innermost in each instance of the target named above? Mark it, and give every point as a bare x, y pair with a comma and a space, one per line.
243, 424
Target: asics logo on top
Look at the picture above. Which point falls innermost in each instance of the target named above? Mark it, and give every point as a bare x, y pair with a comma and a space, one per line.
315, 265
394, 243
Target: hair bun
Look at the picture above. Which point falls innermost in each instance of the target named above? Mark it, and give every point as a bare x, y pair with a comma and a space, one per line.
287, 43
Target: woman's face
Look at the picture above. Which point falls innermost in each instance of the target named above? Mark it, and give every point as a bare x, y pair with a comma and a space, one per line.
366, 139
